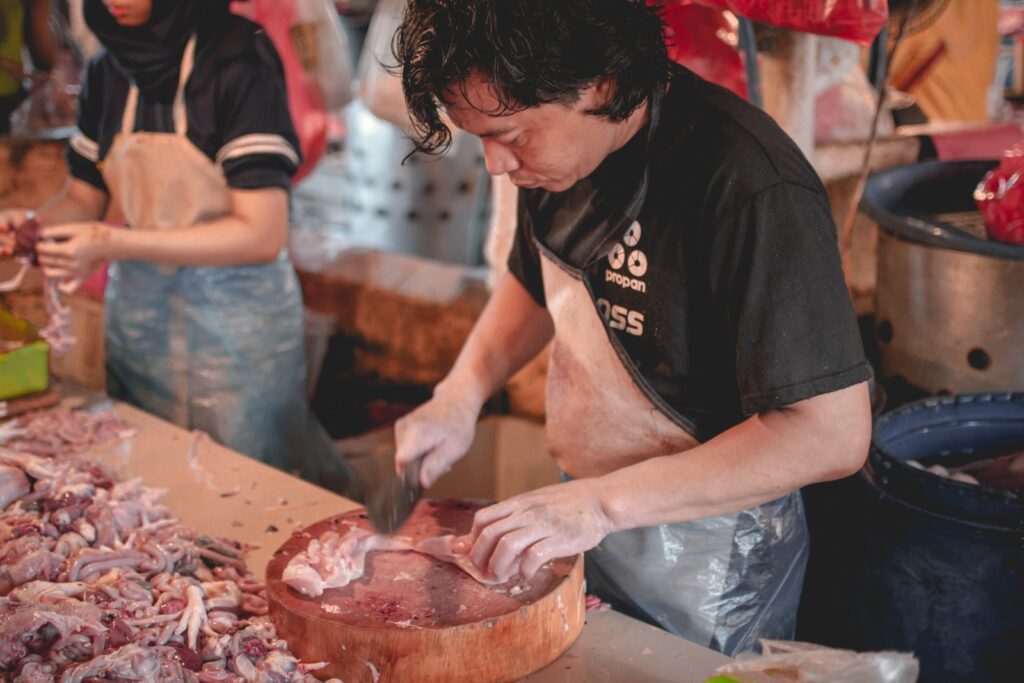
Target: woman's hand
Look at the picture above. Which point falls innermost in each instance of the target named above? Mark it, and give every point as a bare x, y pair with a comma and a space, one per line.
74, 250
9, 220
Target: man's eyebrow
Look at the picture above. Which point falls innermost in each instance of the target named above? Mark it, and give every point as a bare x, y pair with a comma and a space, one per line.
497, 132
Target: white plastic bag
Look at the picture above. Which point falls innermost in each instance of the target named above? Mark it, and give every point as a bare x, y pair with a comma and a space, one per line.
380, 88
323, 48
807, 663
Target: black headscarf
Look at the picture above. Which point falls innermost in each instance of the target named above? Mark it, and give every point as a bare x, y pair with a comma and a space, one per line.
150, 54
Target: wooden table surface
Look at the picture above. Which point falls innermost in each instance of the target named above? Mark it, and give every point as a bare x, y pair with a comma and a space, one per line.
220, 491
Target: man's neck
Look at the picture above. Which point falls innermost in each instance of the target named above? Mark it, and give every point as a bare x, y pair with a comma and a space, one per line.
633, 124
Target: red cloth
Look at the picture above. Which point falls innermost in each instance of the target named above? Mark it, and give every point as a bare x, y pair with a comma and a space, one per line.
856, 20
308, 114
984, 141
95, 285
705, 40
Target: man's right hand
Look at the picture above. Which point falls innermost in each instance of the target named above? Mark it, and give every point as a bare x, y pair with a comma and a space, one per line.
440, 432
512, 329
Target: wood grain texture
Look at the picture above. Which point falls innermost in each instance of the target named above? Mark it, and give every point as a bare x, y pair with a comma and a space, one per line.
413, 618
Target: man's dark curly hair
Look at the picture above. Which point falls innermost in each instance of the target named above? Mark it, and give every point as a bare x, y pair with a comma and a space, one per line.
531, 51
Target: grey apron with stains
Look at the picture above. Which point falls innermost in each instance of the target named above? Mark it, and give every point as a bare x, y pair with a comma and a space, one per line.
219, 349
723, 582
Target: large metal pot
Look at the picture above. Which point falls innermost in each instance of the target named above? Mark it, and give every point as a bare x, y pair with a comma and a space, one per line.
949, 303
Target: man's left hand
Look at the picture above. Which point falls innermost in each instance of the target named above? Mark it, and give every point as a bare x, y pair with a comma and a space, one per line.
530, 529
73, 250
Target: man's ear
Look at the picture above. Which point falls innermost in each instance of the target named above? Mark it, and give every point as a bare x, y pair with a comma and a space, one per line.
604, 91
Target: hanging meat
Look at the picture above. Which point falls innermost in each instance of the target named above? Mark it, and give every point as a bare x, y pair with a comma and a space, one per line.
57, 331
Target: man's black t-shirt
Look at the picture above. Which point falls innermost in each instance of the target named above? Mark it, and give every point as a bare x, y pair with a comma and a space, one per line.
726, 292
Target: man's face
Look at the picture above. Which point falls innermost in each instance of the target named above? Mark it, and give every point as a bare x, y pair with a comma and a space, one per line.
549, 146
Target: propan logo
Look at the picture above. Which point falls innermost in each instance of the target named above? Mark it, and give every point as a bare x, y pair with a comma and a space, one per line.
634, 260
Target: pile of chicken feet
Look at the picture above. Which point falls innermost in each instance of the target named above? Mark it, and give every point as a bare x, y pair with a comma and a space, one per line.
100, 582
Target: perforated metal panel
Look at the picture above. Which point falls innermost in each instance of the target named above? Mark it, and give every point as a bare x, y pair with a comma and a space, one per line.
429, 206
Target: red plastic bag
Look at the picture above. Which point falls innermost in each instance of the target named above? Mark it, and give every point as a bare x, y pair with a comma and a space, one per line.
1000, 197
309, 115
705, 40
856, 20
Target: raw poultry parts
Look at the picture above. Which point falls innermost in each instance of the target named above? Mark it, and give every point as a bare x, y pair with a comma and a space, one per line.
100, 582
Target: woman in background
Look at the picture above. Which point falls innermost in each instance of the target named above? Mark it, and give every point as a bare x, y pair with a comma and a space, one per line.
185, 135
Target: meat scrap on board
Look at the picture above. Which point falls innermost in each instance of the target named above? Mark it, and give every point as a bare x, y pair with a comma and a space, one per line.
335, 560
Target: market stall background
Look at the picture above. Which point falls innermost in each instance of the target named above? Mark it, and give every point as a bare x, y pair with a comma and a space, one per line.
392, 262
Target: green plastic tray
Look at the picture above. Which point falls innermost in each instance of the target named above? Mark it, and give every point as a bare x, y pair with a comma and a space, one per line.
25, 370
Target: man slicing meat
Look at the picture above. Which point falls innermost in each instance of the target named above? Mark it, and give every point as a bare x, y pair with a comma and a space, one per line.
679, 253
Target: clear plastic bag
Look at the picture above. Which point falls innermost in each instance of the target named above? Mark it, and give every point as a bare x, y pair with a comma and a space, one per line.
857, 20
51, 103
317, 65
323, 48
380, 88
723, 582
807, 663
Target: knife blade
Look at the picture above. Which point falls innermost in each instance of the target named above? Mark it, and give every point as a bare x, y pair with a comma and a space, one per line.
390, 501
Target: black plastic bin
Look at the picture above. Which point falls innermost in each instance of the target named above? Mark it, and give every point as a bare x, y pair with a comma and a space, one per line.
919, 563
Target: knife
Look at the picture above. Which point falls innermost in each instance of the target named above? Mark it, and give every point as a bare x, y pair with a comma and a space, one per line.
389, 502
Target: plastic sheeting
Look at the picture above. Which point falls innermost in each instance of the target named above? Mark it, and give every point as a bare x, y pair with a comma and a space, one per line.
815, 664
723, 582
219, 350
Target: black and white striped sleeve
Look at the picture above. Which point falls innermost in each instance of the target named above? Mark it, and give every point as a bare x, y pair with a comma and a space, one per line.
259, 147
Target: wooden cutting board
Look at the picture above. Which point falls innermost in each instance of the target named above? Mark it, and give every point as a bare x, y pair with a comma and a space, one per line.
412, 618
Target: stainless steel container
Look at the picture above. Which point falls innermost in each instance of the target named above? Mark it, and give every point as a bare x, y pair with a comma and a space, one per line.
377, 193
949, 303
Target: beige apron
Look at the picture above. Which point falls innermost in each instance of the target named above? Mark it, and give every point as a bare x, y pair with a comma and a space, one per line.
214, 349
722, 582
161, 181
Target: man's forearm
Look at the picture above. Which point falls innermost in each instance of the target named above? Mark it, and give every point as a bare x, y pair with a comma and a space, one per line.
512, 329
758, 460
